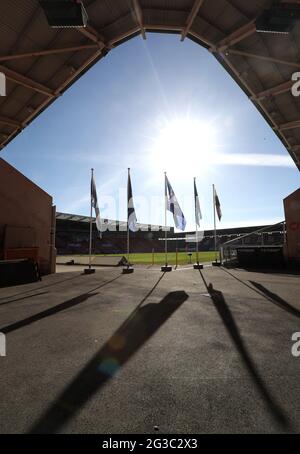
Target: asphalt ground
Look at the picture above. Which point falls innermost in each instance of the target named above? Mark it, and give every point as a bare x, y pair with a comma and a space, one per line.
187, 351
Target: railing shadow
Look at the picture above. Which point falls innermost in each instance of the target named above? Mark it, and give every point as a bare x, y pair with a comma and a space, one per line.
54, 310
267, 294
23, 298
140, 326
42, 287
276, 299
233, 331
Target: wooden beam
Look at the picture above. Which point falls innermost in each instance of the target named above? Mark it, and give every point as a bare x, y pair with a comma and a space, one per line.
295, 148
77, 72
178, 28
291, 125
139, 17
8, 138
26, 82
40, 53
258, 102
275, 91
201, 38
235, 37
46, 103
10, 122
264, 58
125, 35
162, 28
91, 33
63, 86
190, 20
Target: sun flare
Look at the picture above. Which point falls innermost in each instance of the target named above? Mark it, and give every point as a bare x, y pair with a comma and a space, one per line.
183, 143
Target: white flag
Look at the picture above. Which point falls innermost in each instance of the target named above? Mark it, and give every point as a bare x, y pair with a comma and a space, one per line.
218, 205
173, 206
198, 214
131, 216
95, 205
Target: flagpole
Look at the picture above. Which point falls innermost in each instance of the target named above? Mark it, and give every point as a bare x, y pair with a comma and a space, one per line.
128, 238
197, 245
166, 235
215, 221
91, 225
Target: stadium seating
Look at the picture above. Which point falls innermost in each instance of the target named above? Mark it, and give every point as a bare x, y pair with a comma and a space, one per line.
72, 238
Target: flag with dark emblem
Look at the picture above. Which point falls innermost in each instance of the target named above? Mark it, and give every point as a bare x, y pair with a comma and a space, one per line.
198, 214
131, 216
218, 206
95, 205
173, 207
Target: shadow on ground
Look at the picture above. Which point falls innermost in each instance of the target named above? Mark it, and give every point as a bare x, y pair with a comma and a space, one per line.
290, 271
23, 298
229, 322
267, 294
140, 326
53, 310
41, 287
276, 299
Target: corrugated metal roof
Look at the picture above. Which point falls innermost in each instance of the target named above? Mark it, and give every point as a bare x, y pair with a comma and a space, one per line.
40, 62
107, 222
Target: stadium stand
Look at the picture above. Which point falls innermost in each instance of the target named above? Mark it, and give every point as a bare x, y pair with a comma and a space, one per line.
72, 237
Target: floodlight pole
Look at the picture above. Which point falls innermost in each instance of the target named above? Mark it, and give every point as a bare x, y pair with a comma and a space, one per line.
91, 223
215, 221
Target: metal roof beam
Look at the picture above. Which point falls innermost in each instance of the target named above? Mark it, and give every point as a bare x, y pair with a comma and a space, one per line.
258, 102
10, 122
262, 57
41, 53
9, 137
139, 17
178, 28
295, 148
78, 71
159, 27
123, 36
201, 38
26, 82
290, 125
64, 84
91, 33
42, 106
190, 20
235, 37
275, 91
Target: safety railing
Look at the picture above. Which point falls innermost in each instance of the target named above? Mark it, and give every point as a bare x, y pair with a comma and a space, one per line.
270, 236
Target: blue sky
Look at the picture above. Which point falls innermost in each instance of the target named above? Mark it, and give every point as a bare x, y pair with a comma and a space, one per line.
158, 105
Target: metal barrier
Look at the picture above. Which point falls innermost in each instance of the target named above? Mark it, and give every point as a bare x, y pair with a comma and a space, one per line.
266, 237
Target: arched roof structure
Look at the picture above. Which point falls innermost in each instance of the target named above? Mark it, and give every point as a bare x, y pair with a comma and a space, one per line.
40, 62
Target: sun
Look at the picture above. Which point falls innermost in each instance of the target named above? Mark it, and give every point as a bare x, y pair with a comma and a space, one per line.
182, 144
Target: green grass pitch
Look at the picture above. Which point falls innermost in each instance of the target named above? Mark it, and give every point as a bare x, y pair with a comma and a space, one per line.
159, 258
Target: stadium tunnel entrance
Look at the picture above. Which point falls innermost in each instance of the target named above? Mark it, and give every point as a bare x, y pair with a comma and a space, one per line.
228, 30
